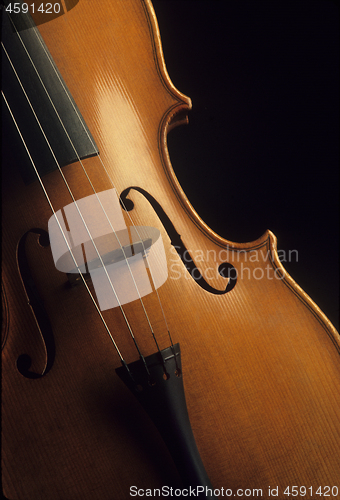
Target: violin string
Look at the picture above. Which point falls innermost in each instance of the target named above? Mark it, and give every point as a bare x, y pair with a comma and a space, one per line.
93, 189
54, 213
115, 189
88, 178
79, 212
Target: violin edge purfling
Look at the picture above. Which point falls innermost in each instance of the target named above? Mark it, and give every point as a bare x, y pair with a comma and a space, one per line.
260, 363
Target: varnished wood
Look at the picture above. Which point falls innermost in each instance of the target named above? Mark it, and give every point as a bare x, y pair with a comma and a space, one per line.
261, 363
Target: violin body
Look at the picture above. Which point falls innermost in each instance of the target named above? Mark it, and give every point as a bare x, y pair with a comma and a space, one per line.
260, 362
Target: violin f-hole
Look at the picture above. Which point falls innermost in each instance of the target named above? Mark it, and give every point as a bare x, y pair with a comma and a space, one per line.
38, 310
226, 270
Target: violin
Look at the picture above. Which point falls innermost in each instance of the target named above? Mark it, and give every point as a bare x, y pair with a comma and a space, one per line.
142, 353
264, 73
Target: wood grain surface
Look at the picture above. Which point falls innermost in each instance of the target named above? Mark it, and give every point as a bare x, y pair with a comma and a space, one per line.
260, 363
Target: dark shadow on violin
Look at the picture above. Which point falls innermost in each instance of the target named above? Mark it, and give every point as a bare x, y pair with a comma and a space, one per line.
38, 310
111, 406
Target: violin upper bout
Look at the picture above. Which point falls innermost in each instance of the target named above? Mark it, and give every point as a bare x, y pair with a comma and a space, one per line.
123, 90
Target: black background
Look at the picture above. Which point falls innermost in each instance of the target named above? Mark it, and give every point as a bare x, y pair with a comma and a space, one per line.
261, 148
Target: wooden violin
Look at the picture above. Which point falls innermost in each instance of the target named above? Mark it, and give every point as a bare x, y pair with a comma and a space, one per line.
142, 354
